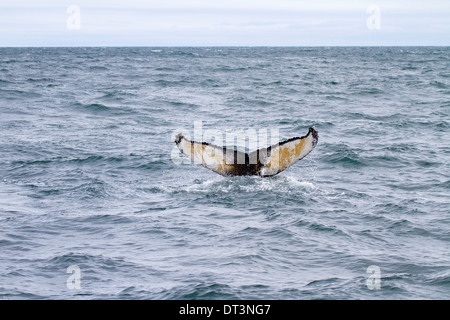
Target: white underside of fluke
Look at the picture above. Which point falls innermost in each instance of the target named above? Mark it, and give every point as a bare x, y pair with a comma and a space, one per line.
266, 162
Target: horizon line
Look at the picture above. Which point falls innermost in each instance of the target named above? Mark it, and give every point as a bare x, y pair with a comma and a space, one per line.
227, 46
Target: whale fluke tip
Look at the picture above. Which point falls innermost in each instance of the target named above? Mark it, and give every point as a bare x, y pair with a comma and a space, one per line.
178, 138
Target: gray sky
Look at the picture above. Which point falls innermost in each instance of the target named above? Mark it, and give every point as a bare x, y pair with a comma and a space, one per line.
223, 23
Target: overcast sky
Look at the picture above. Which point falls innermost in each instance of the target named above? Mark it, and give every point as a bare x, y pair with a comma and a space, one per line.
224, 23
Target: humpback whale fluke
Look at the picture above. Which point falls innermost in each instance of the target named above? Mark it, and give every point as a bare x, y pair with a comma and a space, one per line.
264, 162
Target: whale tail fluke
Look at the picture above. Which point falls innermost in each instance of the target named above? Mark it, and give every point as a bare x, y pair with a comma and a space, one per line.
264, 162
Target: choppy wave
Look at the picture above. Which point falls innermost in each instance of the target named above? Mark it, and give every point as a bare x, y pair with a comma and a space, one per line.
86, 176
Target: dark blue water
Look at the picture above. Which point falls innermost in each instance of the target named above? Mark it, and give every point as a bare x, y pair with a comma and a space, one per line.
87, 177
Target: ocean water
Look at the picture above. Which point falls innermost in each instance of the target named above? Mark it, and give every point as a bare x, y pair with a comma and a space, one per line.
87, 176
